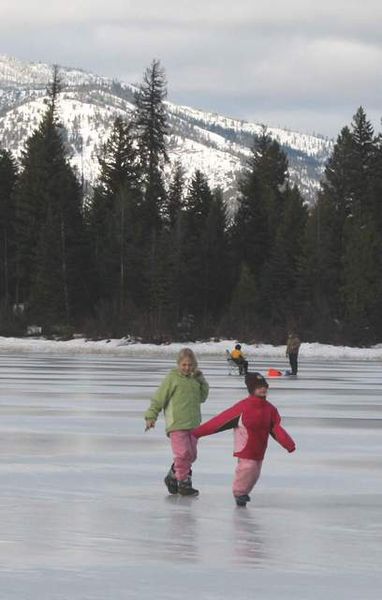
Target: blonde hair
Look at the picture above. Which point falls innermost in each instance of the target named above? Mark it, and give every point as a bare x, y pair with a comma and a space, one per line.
187, 353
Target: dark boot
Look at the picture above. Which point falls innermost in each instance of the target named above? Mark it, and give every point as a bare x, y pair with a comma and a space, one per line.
185, 488
171, 482
242, 500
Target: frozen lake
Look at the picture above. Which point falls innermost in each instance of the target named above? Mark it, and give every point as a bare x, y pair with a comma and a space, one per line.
84, 513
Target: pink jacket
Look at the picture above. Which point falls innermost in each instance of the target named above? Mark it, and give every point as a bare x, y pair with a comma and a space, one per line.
253, 419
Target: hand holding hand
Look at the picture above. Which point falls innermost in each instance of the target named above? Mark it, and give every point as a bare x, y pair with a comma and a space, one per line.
150, 424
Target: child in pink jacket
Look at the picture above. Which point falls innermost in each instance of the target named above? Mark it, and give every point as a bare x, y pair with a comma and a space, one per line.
252, 419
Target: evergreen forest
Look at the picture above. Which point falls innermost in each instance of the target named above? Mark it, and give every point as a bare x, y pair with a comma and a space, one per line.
152, 256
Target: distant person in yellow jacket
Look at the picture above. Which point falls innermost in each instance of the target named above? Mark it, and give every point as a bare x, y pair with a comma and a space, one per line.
239, 358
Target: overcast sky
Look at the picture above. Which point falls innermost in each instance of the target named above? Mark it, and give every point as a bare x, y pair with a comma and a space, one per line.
302, 64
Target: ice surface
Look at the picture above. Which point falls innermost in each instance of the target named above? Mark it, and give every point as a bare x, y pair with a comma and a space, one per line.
84, 513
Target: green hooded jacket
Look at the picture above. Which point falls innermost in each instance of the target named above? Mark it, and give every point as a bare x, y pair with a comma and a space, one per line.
179, 396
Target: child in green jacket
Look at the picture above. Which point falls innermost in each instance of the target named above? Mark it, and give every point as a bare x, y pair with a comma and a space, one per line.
180, 396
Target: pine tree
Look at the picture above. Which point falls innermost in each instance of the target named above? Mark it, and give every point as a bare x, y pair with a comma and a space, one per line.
281, 274
345, 225
337, 183
243, 315
215, 260
175, 194
361, 279
376, 185
324, 240
250, 231
163, 309
261, 206
269, 161
363, 159
114, 223
361, 256
51, 246
152, 128
198, 199
318, 283
270, 164
198, 203
8, 177
164, 269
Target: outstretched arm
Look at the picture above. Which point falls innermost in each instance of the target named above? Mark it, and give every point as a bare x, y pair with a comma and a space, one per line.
281, 435
228, 419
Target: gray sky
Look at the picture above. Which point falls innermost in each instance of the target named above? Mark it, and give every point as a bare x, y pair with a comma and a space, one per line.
302, 64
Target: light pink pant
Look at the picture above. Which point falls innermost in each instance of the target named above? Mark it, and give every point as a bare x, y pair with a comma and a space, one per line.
247, 472
183, 446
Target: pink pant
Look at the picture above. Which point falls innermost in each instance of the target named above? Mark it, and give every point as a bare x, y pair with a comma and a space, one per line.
247, 473
183, 446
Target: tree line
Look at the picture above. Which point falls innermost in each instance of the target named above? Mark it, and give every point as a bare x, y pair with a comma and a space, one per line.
153, 256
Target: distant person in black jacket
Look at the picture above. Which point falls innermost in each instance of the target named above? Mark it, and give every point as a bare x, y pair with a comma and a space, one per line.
293, 346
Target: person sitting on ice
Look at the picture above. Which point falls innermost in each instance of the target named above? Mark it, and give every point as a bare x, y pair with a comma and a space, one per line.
253, 420
239, 358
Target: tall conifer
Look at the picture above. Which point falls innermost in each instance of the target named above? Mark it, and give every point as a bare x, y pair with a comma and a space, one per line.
51, 247
114, 220
8, 177
152, 127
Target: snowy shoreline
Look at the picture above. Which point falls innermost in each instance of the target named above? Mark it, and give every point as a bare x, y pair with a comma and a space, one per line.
124, 347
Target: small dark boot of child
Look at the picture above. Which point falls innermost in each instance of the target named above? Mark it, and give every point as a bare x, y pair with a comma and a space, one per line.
185, 488
242, 500
171, 482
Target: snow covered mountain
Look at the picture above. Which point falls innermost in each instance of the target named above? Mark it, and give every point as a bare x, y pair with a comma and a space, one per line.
219, 146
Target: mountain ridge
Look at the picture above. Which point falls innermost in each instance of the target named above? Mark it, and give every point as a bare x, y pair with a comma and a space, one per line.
217, 145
